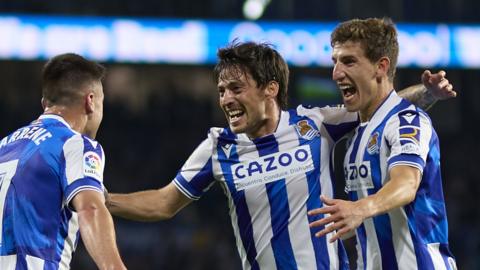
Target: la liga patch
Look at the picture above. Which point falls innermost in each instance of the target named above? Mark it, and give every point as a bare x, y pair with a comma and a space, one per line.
92, 165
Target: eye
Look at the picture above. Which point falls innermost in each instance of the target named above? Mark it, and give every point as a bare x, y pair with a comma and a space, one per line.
221, 92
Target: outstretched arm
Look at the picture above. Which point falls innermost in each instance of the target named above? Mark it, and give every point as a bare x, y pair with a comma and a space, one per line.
434, 87
148, 205
97, 230
347, 216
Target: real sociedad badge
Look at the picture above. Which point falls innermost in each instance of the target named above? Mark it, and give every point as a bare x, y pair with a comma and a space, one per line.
373, 146
306, 131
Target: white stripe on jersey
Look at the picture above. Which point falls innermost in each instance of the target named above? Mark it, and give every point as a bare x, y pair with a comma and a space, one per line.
8, 262
300, 237
327, 190
73, 153
262, 228
34, 263
434, 250
69, 243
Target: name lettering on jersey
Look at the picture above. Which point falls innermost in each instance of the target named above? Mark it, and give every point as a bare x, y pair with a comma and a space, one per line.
305, 130
358, 177
34, 133
272, 167
92, 165
373, 146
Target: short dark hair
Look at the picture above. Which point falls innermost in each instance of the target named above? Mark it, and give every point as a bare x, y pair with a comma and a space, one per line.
378, 38
260, 60
65, 75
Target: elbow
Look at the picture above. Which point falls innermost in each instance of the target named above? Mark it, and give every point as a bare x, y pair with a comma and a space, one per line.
410, 193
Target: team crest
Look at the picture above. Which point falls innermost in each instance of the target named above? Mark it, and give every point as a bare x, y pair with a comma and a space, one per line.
373, 146
305, 130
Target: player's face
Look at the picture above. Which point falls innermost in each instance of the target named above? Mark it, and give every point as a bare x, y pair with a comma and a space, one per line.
356, 77
95, 118
243, 103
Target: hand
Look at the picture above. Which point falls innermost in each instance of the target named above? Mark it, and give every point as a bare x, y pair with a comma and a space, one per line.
345, 215
438, 85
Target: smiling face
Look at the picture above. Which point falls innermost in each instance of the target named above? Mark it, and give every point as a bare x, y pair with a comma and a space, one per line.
248, 108
359, 80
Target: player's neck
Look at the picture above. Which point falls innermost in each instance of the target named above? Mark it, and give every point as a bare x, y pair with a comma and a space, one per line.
367, 113
269, 124
76, 120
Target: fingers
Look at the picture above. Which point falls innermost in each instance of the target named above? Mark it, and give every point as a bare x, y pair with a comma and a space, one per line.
322, 221
327, 200
426, 76
433, 78
345, 231
328, 229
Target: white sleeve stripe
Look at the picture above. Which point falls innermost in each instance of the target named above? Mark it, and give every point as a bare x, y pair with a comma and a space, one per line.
411, 164
81, 188
184, 190
73, 153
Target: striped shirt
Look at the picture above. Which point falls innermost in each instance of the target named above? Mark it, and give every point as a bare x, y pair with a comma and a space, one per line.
42, 167
270, 184
414, 236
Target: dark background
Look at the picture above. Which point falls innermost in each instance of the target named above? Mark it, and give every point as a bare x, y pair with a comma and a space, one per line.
155, 115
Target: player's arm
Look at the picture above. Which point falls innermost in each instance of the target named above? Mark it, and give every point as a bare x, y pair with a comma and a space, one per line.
148, 205
97, 230
434, 87
347, 216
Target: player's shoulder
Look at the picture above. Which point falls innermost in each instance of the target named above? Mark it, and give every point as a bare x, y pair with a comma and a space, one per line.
309, 109
409, 115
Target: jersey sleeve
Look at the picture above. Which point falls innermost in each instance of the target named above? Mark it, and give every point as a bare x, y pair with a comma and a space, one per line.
83, 167
335, 121
196, 175
408, 134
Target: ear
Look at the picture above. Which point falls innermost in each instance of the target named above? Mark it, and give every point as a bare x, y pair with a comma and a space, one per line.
383, 66
44, 103
89, 104
272, 89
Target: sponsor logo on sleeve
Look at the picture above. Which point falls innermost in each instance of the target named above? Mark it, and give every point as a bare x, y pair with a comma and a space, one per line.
92, 165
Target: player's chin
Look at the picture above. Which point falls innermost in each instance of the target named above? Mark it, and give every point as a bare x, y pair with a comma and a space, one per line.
237, 129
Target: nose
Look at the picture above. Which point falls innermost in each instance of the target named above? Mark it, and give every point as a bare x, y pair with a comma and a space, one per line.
226, 98
337, 74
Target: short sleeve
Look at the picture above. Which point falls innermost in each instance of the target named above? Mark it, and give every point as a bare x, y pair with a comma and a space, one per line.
83, 167
408, 134
196, 176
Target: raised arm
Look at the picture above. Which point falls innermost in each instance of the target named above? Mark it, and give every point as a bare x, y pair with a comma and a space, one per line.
148, 205
434, 87
97, 230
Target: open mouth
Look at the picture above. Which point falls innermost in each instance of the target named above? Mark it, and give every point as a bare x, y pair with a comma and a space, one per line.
235, 115
348, 91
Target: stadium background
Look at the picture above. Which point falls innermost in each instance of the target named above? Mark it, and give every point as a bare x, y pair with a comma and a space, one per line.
156, 114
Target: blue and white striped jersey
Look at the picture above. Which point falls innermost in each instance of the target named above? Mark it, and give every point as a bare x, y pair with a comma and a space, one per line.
270, 183
414, 236
42, 167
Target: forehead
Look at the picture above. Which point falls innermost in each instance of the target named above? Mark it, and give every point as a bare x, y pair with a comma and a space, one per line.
349, 48
234, 75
